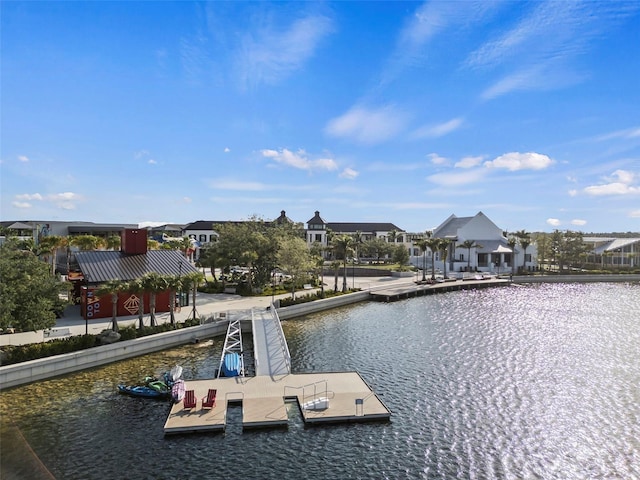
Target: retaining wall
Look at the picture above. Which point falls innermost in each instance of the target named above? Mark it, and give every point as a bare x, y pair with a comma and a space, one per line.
42, 368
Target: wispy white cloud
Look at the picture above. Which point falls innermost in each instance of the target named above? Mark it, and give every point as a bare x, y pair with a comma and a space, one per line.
439, 130
23, 158
228, 184
514, 161
469, 162
368, 125
151, 161
299, 159
349, 173
458, 178
578, 222
437, 159
29, 196
396, 167
627, 133
429, 20
227, 150
540, 47
634, 214
554, 222
621, 182
270, 54
65, 200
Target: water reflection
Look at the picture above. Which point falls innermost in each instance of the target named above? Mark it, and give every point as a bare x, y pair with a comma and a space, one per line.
528, 382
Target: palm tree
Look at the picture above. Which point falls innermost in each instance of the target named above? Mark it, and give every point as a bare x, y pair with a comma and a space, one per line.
174, 284
113, 242
423, 246
113, 288
343, 246
469, 244
87, 242
392, 236
434, 245
444, 249
524, 239
154, 283
192, 280
50, 245
335, 266
512, 241
357, 241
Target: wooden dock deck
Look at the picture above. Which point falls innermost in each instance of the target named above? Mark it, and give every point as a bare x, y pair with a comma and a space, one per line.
263, 399
407, 291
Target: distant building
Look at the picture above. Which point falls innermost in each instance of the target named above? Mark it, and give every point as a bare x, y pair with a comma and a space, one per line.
318, 231
492, 253
613, 252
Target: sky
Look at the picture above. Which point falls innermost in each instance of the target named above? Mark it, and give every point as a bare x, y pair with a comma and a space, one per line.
400, 112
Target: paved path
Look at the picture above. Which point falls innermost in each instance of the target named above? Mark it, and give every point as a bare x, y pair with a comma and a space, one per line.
206, 305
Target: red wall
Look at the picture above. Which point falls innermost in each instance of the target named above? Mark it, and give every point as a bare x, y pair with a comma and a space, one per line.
101, 307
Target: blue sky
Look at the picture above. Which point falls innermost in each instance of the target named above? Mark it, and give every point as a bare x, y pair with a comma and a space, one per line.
401, 112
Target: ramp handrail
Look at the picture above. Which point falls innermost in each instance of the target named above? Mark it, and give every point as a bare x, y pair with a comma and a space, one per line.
283, 340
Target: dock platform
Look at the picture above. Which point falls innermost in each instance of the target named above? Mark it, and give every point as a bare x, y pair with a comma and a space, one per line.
407, 291
346, 396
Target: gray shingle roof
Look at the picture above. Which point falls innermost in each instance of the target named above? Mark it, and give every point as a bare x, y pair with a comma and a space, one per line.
101, 266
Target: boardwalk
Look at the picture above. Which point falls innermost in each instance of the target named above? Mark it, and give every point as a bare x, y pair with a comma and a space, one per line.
398, 292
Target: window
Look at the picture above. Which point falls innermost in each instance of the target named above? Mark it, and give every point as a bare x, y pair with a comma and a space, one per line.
318, 237
212, 238
202, 238
461, 257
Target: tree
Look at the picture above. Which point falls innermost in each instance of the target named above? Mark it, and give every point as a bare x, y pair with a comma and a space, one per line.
174, 284
393, 234
113, 288
191, 281
434, 245
524, 238
357, 241
209, 258
86, 242
50, 245
343, 247
469, 244
29, 295
335, 266
154, 283
113, 242
422, 245
400, 256
444, 250
294, 259
512, 242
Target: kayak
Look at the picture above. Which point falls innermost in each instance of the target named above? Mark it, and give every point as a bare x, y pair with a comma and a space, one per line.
142, 391
177, 391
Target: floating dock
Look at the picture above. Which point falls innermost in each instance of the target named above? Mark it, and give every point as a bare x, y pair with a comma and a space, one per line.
328, 398
391, 294
321, 397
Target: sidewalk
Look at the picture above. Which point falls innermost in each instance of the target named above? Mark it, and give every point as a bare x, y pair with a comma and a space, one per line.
206, 305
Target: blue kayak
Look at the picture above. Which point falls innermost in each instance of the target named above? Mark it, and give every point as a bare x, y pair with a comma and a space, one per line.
232, 365
142, 391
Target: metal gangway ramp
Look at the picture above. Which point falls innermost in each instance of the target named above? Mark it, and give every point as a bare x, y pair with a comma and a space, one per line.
233, 343
271, 352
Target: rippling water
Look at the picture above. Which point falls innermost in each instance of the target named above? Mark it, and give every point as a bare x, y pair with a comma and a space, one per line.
520, 382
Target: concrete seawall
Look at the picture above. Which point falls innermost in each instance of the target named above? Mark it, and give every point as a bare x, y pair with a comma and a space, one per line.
40, 369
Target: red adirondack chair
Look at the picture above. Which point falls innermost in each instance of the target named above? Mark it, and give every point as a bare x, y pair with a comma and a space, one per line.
210, 400
189, 400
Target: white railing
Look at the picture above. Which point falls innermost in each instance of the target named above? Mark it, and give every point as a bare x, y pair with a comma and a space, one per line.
283, 340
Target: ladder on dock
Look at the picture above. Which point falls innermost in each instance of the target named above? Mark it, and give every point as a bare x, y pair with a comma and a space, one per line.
233, 344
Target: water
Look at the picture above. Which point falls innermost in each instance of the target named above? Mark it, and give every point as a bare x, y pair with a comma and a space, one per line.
520, 382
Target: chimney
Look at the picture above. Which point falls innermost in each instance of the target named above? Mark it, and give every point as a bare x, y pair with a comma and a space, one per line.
134, 241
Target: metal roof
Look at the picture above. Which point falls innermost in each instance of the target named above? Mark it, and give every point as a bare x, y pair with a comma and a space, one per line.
103, 265
494, 246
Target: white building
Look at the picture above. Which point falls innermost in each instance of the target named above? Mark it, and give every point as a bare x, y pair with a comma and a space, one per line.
492, 251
